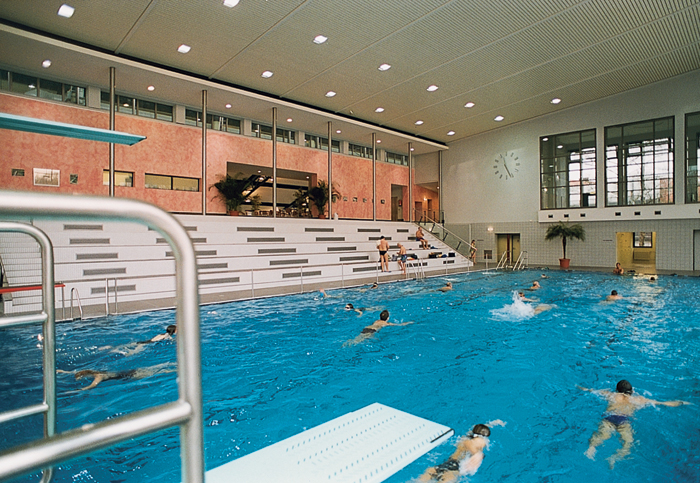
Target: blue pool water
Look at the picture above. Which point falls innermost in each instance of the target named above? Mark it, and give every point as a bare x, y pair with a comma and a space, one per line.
275, 367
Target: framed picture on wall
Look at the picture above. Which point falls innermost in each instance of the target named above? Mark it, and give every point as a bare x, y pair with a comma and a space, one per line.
643, 239
47, 177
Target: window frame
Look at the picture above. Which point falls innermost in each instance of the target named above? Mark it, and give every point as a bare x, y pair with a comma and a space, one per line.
172, 182
692, 153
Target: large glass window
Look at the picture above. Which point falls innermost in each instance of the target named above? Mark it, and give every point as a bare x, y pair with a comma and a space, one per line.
318, 142
692, 155
24, 84
639, 163
261, 131
4, 80
50, 90
568, 170
361, 151
401, 159
164, 182
121, 178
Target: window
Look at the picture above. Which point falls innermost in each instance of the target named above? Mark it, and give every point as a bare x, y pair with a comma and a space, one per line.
692, 155
47, 89
24, 84
121, 178
643, 239
192, 118
568, 170
361, 151
138, 107
639, 163
163, 182
401, 159
261, 131
285, 136
318, 142
221, 123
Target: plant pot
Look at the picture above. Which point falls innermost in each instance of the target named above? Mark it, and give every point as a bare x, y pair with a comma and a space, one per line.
322, 217
233, 213
564, 262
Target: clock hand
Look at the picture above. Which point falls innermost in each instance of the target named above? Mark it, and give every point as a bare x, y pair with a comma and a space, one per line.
507, 170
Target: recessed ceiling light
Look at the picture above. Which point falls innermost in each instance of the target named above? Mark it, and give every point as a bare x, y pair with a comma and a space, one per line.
469, 105
126, 104
267, 74
319, 39
259, 171
379, 141
560, 146
384, 67
183, 49
379, 109
330, 94
545, 139
413, 149
289, 119
498, 118
418, 122
46, 64
231, 3
151, 88
66, 10
338, 131
228, 106
556, 100
450, 133
432, 88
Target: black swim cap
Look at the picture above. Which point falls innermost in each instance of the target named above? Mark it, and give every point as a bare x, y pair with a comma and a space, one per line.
171, 329
614, 292
384, 315
482, 430
624, 387
349, 306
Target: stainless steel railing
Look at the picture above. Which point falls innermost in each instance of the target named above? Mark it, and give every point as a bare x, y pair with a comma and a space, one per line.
185, 412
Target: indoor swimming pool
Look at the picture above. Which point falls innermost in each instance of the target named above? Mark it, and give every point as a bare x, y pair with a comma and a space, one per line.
275, 367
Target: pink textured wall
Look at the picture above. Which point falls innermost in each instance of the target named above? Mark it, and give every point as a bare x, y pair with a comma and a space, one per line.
176, 150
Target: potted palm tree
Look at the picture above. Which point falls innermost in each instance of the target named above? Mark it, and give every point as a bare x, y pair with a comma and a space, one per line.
234, 191
565, 230
319, 196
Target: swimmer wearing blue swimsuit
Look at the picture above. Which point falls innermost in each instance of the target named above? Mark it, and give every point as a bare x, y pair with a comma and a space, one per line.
622, 405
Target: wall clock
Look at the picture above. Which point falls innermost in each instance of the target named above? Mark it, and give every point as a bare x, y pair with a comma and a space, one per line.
506, 165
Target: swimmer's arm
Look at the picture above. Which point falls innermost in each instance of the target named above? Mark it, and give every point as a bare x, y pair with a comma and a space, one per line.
673, 404
399, 325
599, 392
495, 422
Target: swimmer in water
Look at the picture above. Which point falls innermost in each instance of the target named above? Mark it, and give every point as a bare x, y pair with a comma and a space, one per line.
521, 296
467, 457
621, 407
133, 374
135, 347
352, 307
535, 285
613, 296
446, 288
370, 330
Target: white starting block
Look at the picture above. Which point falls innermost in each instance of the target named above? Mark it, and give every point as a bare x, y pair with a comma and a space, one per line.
364, 446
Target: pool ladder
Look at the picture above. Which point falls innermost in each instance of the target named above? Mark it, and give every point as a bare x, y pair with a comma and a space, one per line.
185, 412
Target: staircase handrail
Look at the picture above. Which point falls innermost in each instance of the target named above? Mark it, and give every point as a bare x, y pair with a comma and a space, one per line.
442, 227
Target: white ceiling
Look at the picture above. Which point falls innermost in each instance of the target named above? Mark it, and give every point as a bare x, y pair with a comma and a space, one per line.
509, 57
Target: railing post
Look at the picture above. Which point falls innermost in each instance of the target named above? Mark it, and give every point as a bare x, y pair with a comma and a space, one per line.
301, 278
106, 296
252, 285
342, 275
116, 300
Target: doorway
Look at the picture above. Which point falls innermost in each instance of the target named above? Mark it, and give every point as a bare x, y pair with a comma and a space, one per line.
508, 243
637, 251
396, 202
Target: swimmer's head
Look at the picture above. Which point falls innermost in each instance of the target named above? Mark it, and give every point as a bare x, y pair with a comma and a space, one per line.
448, 284
521, 294
481, 430
171, 329
349, 306
624, 387
614, 292
375, 285
381, 237
535, 283
652, 279
384, 315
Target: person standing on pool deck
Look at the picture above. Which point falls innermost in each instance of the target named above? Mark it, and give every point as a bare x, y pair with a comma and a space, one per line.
370, 330
618, 270
383, 248
466, 459
472, 251
621, 406
402, 257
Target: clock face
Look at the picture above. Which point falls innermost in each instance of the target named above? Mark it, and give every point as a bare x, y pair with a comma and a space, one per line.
506, 165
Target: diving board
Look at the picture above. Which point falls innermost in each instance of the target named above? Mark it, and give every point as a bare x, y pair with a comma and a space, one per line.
368, 445
41, 126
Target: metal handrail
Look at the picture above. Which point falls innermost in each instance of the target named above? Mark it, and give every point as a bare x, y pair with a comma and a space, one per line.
442, 227
186, 412
502, 261
47, 318
520, 261
80, 305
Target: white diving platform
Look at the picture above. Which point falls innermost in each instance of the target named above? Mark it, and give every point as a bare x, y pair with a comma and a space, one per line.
364, 446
